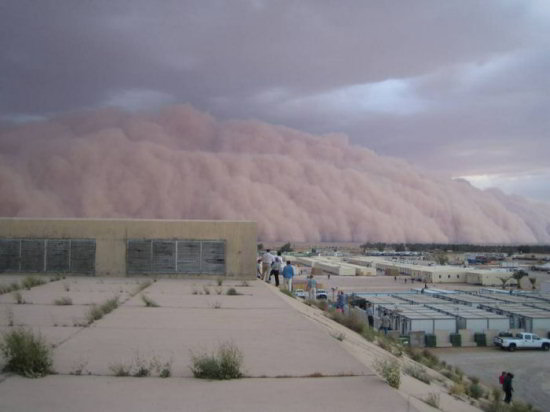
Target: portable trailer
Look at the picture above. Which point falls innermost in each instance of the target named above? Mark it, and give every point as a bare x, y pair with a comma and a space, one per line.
418, 318
474, 319
524, 317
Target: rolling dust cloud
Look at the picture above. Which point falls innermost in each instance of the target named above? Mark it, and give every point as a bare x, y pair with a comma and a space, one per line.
181, 163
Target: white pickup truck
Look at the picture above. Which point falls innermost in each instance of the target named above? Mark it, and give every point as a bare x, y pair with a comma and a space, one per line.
522, 341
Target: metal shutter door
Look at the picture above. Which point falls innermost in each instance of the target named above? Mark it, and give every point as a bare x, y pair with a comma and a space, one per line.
164, 256
189, 256
9, 255
32, 255
139, 256
213, 257
83, 256
57, 255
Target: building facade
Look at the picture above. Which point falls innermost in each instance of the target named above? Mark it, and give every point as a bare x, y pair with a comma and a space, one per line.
125, 247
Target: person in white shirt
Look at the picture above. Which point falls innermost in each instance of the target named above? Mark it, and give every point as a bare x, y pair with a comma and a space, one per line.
276, 268
267, 260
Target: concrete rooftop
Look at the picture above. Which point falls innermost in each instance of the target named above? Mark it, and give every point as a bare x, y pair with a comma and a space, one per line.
281, 345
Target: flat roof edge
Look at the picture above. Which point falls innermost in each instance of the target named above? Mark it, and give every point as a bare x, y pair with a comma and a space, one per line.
109, 219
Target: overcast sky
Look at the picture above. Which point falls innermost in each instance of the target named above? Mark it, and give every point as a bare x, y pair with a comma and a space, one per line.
459, 87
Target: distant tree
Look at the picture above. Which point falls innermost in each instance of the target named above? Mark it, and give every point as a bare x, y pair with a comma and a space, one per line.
533, 282
380, 246
524, 249
504, 281
364, 247
441, 258
313, 251
287, 247
260, 246
518, 275
400, 248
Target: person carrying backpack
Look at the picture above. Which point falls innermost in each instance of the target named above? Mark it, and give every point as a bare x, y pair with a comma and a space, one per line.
507, 387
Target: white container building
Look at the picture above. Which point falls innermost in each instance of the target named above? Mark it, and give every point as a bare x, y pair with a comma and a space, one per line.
418, 318
474, 319
524, 317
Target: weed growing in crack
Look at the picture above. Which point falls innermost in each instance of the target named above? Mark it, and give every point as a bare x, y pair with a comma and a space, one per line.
63, 301
31, 281
338, 336
140, 287
390, 371
18, 298
433, 400
417, 372
150, 303
26, 354
9, 288
96, 312
225, 364
120, 369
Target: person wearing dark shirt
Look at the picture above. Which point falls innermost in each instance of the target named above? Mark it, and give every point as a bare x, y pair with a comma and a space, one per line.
507, 387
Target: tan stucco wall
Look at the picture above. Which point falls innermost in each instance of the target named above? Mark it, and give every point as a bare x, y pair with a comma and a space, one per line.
111, 236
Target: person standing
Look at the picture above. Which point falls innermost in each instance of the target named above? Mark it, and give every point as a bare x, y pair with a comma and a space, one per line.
502, 377
276, 267
507, 387
340, 302
370, 315
312, 288
267, 260
288, 274
386, 323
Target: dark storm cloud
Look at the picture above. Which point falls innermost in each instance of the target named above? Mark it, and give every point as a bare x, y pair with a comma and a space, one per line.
459, 87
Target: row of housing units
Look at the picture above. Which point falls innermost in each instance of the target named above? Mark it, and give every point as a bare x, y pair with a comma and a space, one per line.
371, 266
122, 247
443, 313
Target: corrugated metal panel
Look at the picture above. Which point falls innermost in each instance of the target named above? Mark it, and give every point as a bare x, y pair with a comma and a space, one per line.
176, 256
189, 256
9, 255
32, 255
57, 255
83, 256
213, 257
138, 256
164, 256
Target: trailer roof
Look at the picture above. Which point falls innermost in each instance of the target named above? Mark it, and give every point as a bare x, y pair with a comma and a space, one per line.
417, 312
467, 312
518, 309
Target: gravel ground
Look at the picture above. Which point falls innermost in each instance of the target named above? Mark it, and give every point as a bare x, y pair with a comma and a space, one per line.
531, 369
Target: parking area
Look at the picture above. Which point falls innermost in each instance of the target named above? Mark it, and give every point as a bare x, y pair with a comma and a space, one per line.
531, 369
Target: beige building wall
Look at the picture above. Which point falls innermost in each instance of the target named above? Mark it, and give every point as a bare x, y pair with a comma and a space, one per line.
111, 237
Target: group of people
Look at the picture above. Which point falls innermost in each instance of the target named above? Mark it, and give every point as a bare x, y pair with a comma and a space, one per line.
505, 380
273, 265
